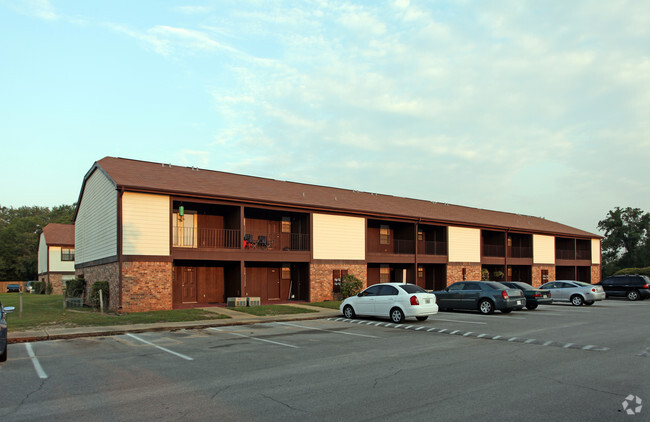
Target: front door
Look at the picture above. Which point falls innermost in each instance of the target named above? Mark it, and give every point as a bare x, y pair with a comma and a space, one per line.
187, 280
273, 284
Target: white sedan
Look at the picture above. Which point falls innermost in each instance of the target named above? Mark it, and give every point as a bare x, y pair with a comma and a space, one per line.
394, 300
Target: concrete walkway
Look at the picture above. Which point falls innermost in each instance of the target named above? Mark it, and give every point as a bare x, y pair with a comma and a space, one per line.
235, 318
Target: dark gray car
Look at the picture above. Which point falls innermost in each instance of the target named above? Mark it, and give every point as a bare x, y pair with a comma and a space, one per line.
484, 296
3, 331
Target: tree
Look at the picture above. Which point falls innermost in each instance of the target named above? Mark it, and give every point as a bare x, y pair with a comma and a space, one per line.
20, 230
627, 239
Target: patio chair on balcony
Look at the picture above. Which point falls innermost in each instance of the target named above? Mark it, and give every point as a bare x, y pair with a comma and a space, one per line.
248, 241
262, 242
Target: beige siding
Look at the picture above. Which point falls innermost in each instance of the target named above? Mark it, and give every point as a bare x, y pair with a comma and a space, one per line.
42, 255
464, 244
96, 223
145, 220
543, 249
595, 251
56, 265
339, 237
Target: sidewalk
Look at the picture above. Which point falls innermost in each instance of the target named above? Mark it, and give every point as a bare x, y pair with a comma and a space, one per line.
236, 318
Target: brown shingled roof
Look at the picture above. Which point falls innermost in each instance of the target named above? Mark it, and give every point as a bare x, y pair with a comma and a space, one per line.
164, 178
59, 234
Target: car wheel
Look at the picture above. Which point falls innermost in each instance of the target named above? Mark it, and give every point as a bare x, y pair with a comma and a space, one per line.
3, 355
348, 312
531, 307
422, 318
577, 300
396, 315
589, 302
632, 295
486, 307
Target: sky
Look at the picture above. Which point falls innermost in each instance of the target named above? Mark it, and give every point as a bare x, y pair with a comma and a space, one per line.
529, 107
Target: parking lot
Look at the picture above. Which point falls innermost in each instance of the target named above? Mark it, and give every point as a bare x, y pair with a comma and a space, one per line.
559, 362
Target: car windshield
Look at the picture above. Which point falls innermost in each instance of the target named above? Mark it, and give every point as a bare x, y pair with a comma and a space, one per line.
521, 285
495, 285
412, 288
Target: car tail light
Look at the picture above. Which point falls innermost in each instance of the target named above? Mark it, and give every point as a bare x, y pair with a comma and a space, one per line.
414, 300
645, 286
537, 295
504, 294
593, 290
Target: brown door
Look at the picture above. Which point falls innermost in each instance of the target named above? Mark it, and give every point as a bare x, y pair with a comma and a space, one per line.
273, 284
186, 281
274, 235
210, 285
256, 282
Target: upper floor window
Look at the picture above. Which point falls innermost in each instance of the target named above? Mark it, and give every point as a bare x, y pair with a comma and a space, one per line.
286, 225
384, 234
67, 254
384, 273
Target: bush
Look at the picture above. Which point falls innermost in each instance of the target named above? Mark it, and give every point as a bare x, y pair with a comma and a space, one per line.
94, 293
39, 287
350, 286
641, 271
49, 288
75, 288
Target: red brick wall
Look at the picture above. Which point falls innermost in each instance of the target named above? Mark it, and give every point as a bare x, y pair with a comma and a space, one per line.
455, 271
146, 286
321, 276
595, 274
107, 272
537, 274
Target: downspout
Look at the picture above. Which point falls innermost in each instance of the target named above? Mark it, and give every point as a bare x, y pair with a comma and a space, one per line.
119, 246
506, 256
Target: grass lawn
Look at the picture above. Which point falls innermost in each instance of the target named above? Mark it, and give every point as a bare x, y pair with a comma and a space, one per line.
46, 311
330, 304
267, 310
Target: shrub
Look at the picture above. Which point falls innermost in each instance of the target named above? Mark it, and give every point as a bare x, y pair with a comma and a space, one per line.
75, 288
350, 286
485, 274
49, 288
94, 293
39, 287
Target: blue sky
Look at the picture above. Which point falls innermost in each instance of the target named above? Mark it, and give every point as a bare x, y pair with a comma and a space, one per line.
537, 108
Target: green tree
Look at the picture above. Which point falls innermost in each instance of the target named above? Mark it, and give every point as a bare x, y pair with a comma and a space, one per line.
20, 230
626, 241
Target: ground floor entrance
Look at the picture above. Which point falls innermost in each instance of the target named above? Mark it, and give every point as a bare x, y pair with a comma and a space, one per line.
276, 281
204, 283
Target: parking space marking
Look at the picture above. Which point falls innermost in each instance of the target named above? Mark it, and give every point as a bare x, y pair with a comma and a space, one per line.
329, 331
460, 320
255, 338
180, 355
471, 334
37, 365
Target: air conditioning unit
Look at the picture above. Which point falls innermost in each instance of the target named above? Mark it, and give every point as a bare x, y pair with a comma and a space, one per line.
254, 301
236, 302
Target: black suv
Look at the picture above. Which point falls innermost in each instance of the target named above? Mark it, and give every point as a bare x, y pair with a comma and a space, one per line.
634, 287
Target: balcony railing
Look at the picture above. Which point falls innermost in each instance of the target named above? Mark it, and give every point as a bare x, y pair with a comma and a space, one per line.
565, 254
494, 250
194, 237
521, 252
398, 247
434, 248
277, 241
581, 254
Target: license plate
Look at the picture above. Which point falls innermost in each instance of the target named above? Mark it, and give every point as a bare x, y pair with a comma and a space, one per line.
519, 302
545, 296
427, 301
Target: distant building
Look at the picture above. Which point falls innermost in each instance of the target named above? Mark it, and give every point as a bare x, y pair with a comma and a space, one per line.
167, 236
56, 255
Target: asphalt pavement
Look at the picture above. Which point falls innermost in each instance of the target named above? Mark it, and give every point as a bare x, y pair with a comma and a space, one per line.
236, 318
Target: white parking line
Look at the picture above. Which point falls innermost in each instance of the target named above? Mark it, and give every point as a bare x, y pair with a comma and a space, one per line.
160, 347
37, 365
329, 331
255, 338
457, 320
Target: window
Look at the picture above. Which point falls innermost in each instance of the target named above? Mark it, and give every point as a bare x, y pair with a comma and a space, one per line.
371, 291
384, 274
286, 224
384, 234
387, 291
420, 235
420, 271
67, 254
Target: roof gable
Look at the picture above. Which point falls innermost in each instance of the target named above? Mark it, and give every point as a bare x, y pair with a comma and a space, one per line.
59, 234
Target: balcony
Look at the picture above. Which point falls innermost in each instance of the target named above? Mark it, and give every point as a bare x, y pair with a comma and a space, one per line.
194, 237
433, 247
497, 251
277, 241
520, 252
397, 246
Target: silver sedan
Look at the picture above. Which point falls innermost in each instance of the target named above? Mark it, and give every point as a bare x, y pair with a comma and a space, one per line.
3, 331
575, 292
